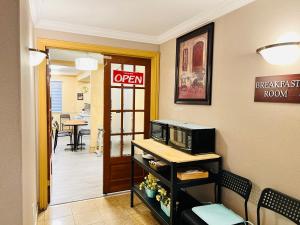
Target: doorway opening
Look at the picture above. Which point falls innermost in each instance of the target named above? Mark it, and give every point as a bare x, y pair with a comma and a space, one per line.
76, 107
114, 165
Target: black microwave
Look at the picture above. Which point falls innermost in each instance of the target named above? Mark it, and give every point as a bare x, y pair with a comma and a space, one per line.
159, 131
191, 138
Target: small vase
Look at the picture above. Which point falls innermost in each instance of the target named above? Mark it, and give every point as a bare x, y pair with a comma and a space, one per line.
150, 193
165, 209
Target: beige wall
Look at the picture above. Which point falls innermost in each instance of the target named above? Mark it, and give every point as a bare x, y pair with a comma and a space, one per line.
97, 95
17, 137
70, 87
40, 33
29, 164
86, 96
10, 120
257, 140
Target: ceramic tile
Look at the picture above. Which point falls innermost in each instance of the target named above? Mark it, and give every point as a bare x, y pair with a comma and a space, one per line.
121, 221
58, 211
113, 213
83, 206
110, 210
107, 202
40, 222
145, 219
139, 208
72, 183
41, 216
88, 217
67, 220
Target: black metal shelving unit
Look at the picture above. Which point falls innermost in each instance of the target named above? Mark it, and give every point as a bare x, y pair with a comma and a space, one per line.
153, 205
170, 180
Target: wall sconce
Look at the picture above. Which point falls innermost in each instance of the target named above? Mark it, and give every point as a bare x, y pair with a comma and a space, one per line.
36, 56
281, 53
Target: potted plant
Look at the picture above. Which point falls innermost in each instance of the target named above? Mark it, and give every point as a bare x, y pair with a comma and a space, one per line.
150, 185
164, 199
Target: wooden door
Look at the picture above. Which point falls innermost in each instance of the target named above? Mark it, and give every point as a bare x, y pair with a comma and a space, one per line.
49, 127
126, 118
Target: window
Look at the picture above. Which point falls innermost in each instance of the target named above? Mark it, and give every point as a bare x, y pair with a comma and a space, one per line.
56, 96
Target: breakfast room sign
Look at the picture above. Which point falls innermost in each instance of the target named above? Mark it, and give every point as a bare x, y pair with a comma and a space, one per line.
282, 88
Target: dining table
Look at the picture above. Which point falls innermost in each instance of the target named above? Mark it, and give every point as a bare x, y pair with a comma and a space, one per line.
75, 124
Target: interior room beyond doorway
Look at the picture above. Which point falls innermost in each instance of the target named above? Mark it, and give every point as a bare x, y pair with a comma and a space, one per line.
77, 112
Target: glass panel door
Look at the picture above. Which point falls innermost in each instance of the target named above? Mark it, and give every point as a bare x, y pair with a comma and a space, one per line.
126, 118
127, 111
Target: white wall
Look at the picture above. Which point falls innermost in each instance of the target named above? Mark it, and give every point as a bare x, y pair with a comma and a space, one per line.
257, 140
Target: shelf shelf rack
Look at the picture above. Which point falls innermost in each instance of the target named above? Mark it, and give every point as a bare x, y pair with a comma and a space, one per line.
175, 160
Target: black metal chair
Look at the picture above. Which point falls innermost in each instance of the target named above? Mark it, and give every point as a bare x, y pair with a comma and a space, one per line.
81, 133
280, 203
59, 133
63, 117
236, 183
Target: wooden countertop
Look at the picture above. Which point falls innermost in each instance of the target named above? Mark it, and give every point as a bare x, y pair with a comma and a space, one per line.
75, 122
172, 154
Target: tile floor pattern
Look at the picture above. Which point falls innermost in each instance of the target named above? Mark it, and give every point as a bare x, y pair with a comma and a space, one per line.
75, 175
111, 210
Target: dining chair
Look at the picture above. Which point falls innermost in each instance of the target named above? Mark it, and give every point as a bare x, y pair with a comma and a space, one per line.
63, 117
280, 203
207, 214
81, 133
60, 133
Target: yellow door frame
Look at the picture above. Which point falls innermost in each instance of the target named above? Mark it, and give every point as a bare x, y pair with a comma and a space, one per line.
42, 113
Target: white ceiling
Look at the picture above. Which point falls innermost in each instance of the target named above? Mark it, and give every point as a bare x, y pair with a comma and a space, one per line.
68, 55
151, 21
63, 70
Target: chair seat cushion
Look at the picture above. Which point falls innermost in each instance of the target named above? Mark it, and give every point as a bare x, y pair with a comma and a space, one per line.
188, 217
217, 214
63, 133
85, 132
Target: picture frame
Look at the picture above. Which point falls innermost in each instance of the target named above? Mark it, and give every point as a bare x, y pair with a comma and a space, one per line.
80, 96
194, 66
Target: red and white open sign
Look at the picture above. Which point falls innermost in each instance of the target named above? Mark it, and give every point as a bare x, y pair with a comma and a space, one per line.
125, 77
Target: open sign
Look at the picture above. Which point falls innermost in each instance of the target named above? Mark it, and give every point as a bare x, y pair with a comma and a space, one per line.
125, 77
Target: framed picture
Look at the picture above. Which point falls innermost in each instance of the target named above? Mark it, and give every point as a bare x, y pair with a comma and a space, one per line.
79, 96
194, 57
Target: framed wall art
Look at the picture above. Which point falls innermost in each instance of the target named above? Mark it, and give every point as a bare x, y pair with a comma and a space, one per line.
79, 96
194, 57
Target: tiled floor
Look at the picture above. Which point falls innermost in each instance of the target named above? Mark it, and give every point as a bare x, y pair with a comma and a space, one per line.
111, 210
75, 175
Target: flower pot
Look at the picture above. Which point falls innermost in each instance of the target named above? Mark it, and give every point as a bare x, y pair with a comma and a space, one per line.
166, 209
150, 193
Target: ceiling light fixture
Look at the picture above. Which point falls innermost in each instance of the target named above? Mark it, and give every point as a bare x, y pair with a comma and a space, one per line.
36, 56
281, 54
